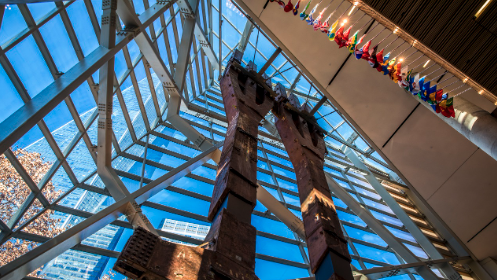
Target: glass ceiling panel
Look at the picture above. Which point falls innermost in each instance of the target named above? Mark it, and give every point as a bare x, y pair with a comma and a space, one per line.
147, 145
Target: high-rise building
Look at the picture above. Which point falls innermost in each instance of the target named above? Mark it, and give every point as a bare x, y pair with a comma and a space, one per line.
76, 264
185, 229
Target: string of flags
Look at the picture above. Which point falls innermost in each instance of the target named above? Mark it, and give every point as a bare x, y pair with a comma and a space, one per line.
394, 68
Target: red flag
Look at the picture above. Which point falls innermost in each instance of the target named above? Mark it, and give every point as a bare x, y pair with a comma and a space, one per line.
439, 95
344, 39
379, 58
398, 72
365, 50
289, 6
338, 35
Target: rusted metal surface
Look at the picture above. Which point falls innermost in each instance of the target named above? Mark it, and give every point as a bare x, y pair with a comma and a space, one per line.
147, 257
232, 238
328, 253
246, 102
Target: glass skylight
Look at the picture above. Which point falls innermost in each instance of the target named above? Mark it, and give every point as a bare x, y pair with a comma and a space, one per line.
42, 42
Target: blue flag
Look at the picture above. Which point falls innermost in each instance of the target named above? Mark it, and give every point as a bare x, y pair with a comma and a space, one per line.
411, 81
431, 94
419, 86
423, 94
426, 85
359, 53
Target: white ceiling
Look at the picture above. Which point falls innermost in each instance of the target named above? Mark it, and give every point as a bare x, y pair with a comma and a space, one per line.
457, 179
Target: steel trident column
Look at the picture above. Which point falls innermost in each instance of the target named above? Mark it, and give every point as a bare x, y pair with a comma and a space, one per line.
328, 252
229, 248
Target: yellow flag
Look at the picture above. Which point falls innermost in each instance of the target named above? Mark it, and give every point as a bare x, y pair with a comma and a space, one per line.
332, 31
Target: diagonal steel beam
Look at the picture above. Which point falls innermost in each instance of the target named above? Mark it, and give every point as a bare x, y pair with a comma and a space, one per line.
247, 31
2, 11
42, 254
105, 102
387, 271
189, 11
269, 61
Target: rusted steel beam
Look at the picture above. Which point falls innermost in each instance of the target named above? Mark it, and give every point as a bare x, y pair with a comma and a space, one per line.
246, 102
328, 253
147, 257
229, 248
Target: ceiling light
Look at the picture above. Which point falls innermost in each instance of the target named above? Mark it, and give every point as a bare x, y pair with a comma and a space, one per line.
351, 10
428, 61
480, 11
465, 80
481, 92
401, 59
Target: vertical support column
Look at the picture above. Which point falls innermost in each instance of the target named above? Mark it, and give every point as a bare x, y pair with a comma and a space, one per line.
328, 253
106, 85
105, 100
235, 191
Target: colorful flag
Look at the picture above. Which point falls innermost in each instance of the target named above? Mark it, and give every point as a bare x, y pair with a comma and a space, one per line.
344, 39
379, 58
393, 73
356, 49
352, 43
288, 6
310, 19
439, 96
420, 85
446, 108
398, 72
388, 67
296, 8
431, 93
324, 27
423, 94
372, 60
426, 85
403, 81
303, 15
332, 31
384, 64
317, 23
338, 35
365, 50
415, 85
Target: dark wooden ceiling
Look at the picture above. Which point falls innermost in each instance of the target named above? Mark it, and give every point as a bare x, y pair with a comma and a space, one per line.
450, 29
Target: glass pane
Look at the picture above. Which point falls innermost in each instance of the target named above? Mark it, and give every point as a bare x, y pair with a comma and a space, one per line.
30, 66
58, 43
